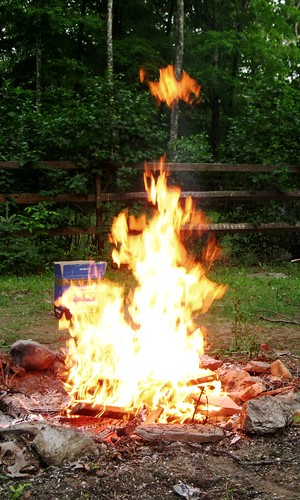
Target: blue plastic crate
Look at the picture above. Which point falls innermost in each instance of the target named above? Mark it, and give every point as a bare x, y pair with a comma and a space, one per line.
80, 273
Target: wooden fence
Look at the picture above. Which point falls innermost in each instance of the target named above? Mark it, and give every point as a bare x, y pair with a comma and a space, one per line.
98, 197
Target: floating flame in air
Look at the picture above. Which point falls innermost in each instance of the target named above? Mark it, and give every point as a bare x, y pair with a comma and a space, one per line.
143, 347
168, 89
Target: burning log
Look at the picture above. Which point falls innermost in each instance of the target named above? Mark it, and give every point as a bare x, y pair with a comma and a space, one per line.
203, 380
89, 410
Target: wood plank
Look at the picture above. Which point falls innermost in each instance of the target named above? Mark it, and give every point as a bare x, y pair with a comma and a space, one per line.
212, 195
184, 433
242, 195
245, 227
224, 228
28, 198
218, 167
61, 231
10, 164
173, 167
60, 164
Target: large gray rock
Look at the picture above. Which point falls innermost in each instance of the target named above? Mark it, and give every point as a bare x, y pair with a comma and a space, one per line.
58, 445
265, 415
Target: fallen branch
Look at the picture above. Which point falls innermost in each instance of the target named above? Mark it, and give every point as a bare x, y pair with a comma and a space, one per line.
289, 322
280, 390
246, 462
283, 318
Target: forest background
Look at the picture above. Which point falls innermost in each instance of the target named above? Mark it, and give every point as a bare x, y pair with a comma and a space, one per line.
70, 90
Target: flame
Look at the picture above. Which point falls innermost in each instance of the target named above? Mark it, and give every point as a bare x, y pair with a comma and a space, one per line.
143, 347
168, 89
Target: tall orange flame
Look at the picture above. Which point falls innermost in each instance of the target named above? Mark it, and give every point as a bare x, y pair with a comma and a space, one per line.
143, 348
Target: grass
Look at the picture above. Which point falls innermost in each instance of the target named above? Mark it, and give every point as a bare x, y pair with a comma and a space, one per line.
255, 291
26, 303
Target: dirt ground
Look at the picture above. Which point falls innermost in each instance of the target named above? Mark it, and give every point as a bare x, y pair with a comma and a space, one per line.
238, 467
254, 468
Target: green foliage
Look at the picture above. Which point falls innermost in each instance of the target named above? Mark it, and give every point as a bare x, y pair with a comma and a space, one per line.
39, 217
192, 148
7, 181
252, 249
126, 176
244, 335
19, 124
16, 492
101, 124
267, 131
245, 55
19, 255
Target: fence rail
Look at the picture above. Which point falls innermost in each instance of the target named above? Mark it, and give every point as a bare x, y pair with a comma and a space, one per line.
33, 198
98, 197
173, 167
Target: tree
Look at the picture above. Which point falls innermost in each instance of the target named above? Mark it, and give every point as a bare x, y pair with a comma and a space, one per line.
110, 64
178, 66
50, 54
38, 58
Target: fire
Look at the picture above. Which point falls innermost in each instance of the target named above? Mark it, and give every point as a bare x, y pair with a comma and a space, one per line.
142, 348
168, 89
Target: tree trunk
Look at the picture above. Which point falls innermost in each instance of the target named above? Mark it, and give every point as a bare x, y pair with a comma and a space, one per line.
215, 97
110, 63
80, 44
240, 25
169, 19
38, 58
178, 70
215, 122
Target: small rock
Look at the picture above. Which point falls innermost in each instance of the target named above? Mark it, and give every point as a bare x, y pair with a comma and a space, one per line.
277, 275
278, 369
252, 391
57, 445
32, 356
235, 380
257, 367
187, 491
265, 415
5, 419
291, 398
276, 381
209, 363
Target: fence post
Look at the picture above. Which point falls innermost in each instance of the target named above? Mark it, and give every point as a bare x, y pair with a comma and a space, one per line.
99, 216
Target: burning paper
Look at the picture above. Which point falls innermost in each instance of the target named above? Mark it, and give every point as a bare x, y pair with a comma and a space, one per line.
143, 348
